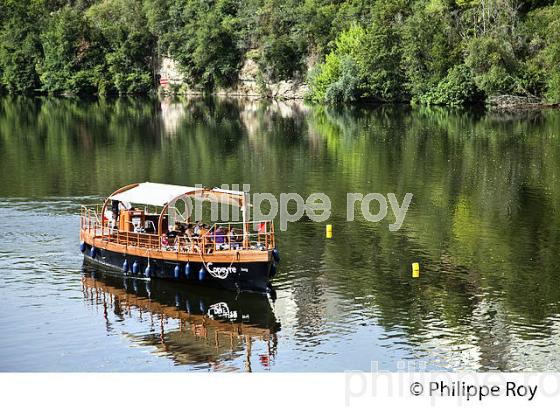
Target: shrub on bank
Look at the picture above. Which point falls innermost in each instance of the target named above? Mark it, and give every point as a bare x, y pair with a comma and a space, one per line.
456, 89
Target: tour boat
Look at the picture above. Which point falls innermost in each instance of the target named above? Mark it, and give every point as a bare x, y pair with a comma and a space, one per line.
145, 230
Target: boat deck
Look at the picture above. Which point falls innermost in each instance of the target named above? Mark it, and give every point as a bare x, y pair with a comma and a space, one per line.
255, 246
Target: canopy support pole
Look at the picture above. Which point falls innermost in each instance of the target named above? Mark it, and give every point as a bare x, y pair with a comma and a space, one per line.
244, 218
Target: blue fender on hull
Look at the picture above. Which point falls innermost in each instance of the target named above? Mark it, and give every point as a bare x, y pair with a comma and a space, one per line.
92, 252
276, 255
148, 271
177, 272
82, 247
135, 268
187, 270
201, 274
125, 266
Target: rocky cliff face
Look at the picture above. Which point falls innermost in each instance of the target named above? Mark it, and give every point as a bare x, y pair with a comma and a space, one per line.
287, 90
249, 83
169, 70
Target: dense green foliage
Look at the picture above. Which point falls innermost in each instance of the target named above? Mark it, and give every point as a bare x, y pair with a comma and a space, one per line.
448, 52
81, 48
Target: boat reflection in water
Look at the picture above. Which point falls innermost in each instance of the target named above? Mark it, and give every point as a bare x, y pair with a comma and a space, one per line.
201, 327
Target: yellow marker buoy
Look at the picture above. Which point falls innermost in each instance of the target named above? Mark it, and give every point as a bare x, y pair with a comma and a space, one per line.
328, 232
415, 270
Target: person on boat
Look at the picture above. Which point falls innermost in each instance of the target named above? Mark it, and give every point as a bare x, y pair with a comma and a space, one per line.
232, 238
198, 234
197, 228
115, 211
206, 238
219, 237
189, 237
204, 231
171, 236
115, 208
164, 241
189, 232
179, 228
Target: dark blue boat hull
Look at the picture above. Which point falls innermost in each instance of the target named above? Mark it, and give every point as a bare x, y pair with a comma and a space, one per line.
239, 276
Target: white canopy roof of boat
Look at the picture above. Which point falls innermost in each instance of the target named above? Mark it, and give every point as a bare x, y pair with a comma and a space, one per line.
150, 193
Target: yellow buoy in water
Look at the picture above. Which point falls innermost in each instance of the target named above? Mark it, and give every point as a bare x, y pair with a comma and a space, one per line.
328, 232
415, 270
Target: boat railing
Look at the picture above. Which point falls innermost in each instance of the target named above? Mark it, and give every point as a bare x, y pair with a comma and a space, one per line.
257, 235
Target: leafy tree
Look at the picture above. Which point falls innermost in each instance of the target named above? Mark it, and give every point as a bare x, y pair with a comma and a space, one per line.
429, 46
494, 46
20, 46
339, 78
282, 39
380, 57
346, 88
119, 27
70, 61
372, 55
544, 61
205, 44
493, 63
456, 89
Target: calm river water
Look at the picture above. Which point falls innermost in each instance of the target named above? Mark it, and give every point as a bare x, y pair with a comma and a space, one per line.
484, 224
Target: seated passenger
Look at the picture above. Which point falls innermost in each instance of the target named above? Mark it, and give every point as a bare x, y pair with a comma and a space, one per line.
203, 230
179, 227
189, 232
207, 238
219, 235
197, 228
164, 241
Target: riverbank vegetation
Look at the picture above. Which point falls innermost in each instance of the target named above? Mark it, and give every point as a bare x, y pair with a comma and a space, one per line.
445, 52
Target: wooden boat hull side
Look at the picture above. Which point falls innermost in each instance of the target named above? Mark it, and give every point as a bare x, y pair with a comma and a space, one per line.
219, 272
